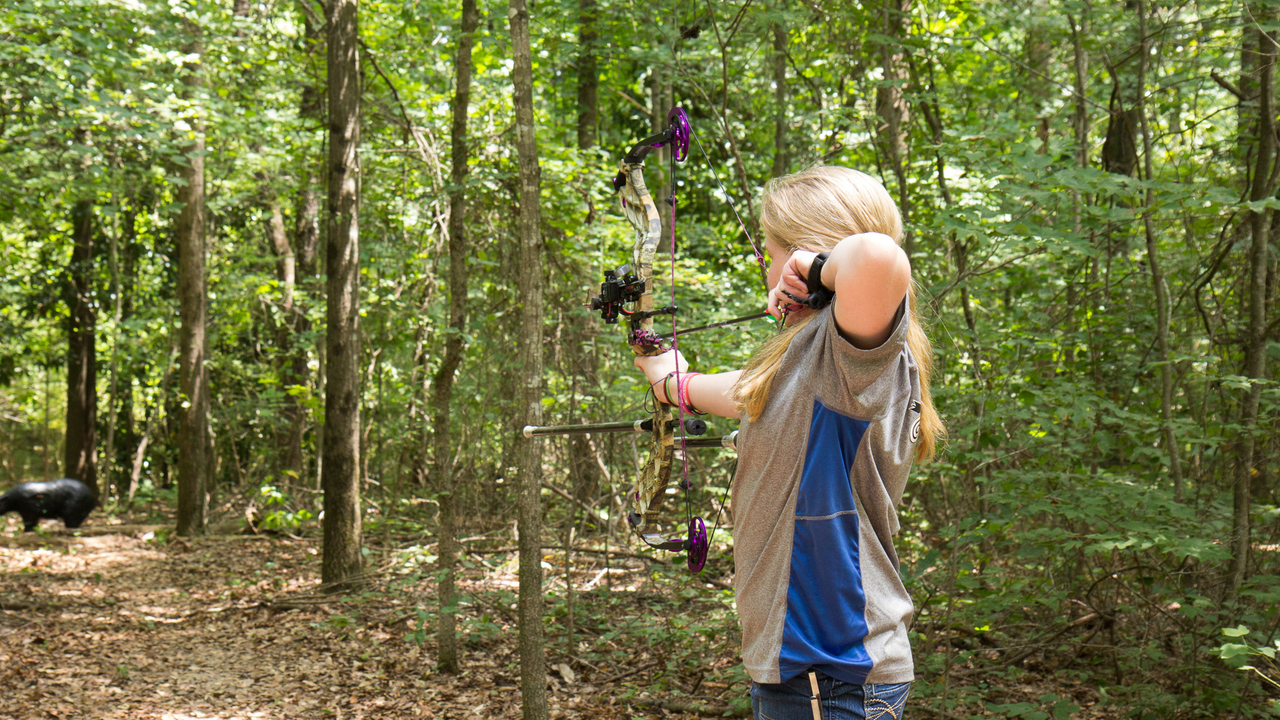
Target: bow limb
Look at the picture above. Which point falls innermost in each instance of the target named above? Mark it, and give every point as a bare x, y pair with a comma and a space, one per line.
641, 211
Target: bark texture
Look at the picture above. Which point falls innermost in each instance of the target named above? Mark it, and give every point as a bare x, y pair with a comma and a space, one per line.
1255, 340
780, 157
193, 381
340, 475
81, 461
588, 74
446, 639
533, 671
891, 106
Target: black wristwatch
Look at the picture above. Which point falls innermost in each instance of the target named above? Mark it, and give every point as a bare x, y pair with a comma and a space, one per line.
819, 295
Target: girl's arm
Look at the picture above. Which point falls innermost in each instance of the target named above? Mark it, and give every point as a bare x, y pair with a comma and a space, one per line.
712, 393
708, 393
869, 274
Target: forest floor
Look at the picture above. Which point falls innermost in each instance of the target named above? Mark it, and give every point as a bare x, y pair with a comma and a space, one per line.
122, 620
125, 621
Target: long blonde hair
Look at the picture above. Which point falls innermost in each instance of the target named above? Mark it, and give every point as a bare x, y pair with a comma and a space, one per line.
814, 210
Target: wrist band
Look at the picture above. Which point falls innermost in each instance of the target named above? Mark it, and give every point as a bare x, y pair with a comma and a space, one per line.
666, 388
681, 398
682, 393
819, 295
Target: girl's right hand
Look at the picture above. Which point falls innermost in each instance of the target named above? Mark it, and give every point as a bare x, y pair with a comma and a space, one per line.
786, 298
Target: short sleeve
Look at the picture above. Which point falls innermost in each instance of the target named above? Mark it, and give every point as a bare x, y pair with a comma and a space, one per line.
842, 373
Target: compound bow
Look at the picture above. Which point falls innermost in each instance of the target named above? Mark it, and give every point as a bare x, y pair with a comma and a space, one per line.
628, 292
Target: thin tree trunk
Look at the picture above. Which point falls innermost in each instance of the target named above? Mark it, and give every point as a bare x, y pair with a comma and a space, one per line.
306, 245
780, 158
582, 359
48, 438
340, 476
891, 106
306, 241
129, 263
113, 399
533, 672
193, 495
81, 458
1157, 275
588, 75
1255, 364
289, 436
446, 640
658, 108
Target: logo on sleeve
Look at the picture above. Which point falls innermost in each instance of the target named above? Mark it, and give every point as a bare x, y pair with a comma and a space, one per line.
915, 427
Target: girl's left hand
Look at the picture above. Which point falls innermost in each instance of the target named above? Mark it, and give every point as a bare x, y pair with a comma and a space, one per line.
792, 288
657, 367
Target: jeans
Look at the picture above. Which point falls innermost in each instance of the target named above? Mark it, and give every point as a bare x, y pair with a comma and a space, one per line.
839, 700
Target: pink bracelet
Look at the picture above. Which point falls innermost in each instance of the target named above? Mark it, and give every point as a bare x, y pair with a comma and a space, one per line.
682, 393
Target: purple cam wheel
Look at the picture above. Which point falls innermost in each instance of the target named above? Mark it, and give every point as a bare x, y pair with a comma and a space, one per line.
679, 143
697, 545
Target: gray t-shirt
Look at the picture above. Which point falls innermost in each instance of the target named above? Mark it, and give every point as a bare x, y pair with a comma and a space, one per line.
820, 474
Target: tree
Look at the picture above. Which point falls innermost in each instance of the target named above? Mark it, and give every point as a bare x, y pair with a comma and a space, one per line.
193, 380
453, 347
1262, 188
533, 680
1159, 284
340, 476
82, 362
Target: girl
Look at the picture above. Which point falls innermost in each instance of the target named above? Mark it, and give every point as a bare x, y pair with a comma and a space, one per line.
833, 410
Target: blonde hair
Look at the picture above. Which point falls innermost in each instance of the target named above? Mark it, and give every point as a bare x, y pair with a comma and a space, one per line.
814, 210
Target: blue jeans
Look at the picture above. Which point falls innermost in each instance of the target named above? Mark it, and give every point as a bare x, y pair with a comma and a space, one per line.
839, 700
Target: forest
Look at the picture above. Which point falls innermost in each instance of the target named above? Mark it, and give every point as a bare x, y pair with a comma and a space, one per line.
281, 282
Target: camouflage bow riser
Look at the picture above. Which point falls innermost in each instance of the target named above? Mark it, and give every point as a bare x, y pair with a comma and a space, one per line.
638, 206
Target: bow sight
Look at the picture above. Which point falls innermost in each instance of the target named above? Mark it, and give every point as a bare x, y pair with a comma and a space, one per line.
619, 287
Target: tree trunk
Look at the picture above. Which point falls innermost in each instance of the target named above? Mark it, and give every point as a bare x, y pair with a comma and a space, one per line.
584, 361
193, 382
128, 270
659, 106
533, 672
891, 106
288, 435
306, 244
446, 641
340, 476
1255, 341
1157, 275
780, 159
588, 75
82, 395
113, 382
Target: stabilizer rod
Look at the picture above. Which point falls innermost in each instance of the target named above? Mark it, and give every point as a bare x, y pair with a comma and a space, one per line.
692, 426
689, 439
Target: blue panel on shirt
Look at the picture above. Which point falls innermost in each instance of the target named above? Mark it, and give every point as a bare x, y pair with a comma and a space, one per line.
826, 606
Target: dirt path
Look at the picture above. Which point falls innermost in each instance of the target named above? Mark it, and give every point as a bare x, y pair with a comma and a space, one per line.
122, 626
